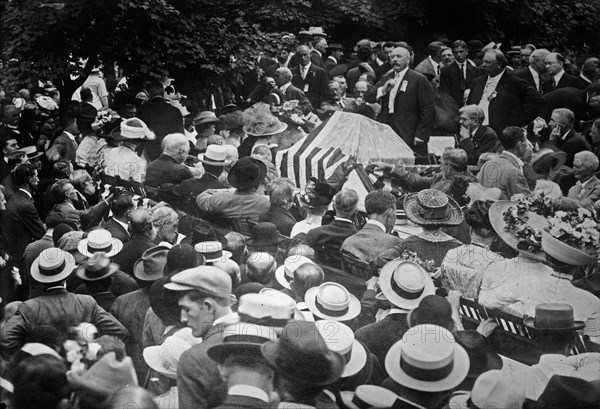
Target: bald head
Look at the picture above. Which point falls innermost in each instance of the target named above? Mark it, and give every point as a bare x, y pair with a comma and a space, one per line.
260, 267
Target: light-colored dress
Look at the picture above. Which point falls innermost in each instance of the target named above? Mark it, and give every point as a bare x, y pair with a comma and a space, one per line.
125, 163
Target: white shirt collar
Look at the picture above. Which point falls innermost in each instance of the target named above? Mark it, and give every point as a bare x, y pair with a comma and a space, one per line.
400, 75
70, 135
435, 64
334, 59
586, 79
230, 318
343, 219
379, 62
26, 192
318, 52
497, 77
124, 225
284, 87
306, 67
586, 182
250, 391
558, 76
534, 73
377, 223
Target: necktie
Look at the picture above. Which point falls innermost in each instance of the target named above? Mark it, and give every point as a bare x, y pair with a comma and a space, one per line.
303, 72
393, 93
437, 70
341, 104
553, 83
462, 71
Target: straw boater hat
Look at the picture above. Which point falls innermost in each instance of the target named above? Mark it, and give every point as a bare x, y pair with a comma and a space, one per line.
212, 251
216, 155
332, 301
547, 158
405, 283
302, 355
52, 265
553, 318
31, 152
369, 396
100, 240
164, 358
285, 273
340, 338
97, 267
431, 207
536, 221
132, 129
427, 359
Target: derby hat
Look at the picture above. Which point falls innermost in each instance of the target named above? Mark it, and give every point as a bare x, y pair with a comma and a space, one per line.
97, 267
52, 265
247, 173
493, 388
262, 318
534, 220
207, 279
547, 159
106, 376
427, 359
164, 358
150, 267
264, 234
132, 129
285, 273
215, 155
304, 33
212, 251
332, 301
205, 117
302, 355
431, 207
100, 240
405, 283
481, 360
317, 194
31, 152
553, 317
340, 338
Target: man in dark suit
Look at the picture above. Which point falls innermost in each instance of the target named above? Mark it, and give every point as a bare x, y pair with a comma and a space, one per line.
21, 225
118, 224
535, 72
563, 136
335, 55
475, 138
406, 102
574, 99
142, 234
160, 116
8, 146
317, 54
310, 78
329, 238
335, 102
65, 145
458, 77
283, 79
589, 73
169, 167
505, 99
558, 77
430, 67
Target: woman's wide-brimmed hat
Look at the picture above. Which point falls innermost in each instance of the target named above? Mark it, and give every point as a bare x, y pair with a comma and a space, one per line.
332, 301
547, 159
261, 122
565, 253
132, 129
534, 220
553, 317
427, 359
52, 265
247, 173
97, 267
431, 207
100, 240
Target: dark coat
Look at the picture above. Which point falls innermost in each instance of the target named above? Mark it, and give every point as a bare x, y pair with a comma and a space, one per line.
117, 231
525, 73
380, 336
165, 170
573, 143
65, 147
483, 140
453, 83
193, 187
316, 59
20, 224
567, 80
281, 218
571, 98
330, 236
293, 92
314, 85
162, 118
132, 251
242, 402
86, 218
516, 103
414, 113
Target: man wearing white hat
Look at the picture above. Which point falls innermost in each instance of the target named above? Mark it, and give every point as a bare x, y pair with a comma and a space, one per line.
213, 161
42, 313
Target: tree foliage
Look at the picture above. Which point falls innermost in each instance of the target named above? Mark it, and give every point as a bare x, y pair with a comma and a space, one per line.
212, 42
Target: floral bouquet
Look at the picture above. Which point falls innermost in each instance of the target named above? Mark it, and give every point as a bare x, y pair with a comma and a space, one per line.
427, 265
577, 229
81, 351
289, 112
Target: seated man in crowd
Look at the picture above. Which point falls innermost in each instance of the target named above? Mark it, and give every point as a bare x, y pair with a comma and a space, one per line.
476, 138
169, 167
281, 195
586, 191
64, 194
374, 236
328, 239
563, 136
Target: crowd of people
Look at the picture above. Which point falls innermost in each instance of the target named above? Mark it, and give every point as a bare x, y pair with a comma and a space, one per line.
152, 255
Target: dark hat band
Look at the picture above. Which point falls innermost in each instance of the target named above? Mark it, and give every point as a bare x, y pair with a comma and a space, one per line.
97, 273
471, 405
206, 158
435, 214
361, 404
212, 255
267, 321
257, 339
430, 375
99, 249
53, 271
403, 293
347, 356
329, 312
